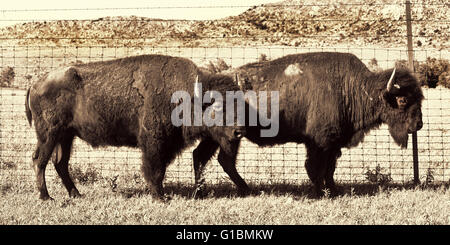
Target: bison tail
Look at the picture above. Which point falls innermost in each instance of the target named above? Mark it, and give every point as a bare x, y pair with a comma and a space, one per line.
27, 107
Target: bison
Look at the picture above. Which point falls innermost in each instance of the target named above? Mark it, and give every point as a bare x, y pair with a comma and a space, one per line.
327, 101
122, 102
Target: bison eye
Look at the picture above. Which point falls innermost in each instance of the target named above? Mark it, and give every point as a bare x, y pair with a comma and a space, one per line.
402, 101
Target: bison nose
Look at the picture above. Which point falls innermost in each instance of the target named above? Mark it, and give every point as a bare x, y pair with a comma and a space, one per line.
419, 125
238, 133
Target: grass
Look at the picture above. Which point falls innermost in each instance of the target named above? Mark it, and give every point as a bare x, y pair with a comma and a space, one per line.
277, 204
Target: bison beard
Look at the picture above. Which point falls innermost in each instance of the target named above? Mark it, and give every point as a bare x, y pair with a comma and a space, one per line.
400, 134
327, 101
123, 102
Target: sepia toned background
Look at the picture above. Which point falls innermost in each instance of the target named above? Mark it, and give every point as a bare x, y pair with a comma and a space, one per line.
36, 41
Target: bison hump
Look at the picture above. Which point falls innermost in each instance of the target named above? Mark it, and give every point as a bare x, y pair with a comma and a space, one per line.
66, 78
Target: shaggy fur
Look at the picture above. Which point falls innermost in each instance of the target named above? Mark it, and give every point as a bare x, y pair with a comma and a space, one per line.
123, 102
328, 101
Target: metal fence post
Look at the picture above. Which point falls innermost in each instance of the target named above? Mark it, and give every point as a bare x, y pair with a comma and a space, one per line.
411, 67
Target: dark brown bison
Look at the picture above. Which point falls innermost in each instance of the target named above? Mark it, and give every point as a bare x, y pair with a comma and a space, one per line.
326, 101
123, 102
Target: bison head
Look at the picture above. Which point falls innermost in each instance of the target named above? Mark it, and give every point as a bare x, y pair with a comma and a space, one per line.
402, 98
228, 137
221, 124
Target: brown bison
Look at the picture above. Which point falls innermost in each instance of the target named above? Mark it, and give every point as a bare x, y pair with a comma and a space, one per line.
326, 101
123, 102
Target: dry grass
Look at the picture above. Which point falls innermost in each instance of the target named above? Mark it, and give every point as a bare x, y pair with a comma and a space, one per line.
274, 204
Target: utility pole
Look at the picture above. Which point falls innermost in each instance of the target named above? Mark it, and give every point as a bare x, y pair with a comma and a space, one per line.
411, 67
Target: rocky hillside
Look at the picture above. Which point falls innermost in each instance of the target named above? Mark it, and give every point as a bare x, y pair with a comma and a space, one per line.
291, 22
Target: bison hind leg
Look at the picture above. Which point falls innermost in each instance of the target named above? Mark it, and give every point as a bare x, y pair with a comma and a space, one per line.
40, 159
61, 163
155, 159
201, 155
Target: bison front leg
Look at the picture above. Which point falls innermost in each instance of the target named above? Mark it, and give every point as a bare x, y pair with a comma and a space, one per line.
333, 155
228, 163
154, 171
320, 165
316, 167
61, 163
156, 156
201, 155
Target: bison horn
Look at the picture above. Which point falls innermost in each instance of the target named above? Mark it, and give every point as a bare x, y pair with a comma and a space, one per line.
236, 78
197, 88
391, 82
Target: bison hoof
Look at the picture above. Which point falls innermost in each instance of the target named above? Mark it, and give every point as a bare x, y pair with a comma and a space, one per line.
317, 193
336, 192
74, 193
165, 199
162, 198
45, 197
244, 192
326, 193
199, 193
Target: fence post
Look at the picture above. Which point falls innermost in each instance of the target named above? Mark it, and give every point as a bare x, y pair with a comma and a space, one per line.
411, 67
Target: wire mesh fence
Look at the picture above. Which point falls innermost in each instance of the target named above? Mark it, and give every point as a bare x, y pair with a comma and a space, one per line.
282, 163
